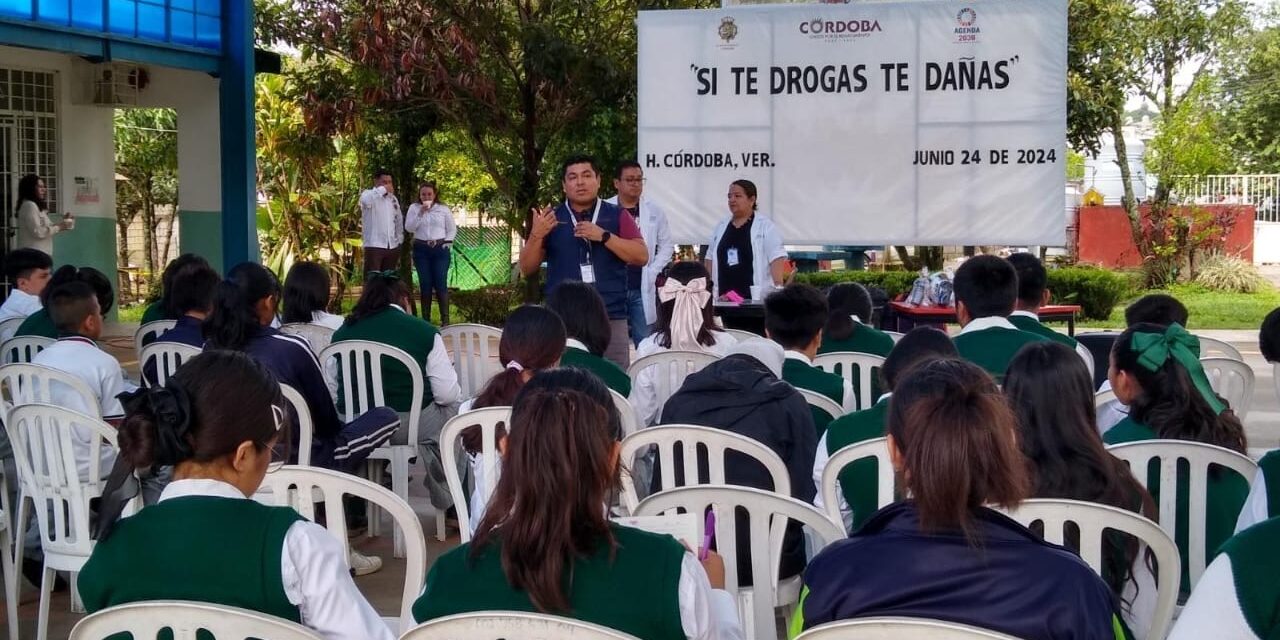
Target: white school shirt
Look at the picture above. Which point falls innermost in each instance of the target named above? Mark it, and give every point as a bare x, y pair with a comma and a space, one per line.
435, 223
989, 322
1255, 506
327, 320
1213, 610
644, 391
849, 402
439, 371
381, 225
1111, 413
656, 232
99, 371
19, 304
35, 230
313, 570
766, 246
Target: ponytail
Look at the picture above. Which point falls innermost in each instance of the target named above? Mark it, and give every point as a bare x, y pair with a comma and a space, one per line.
533, 339
381, 290
234, 320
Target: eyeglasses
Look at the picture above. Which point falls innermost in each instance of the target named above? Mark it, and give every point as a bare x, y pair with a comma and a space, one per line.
635, 180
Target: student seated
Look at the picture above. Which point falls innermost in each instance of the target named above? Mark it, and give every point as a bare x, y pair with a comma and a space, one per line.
548, 519
163, 309
1033, 293
1156, 372
686, 322
986, 289
192, 296
943, 553
794, 317
1264, 491
743, 393
306, 296
858, 480
1238, 594
206, 540
1051, 393
533, 340
586, 323
380, 316
29, 271
847, 325
1154, 308
41, 323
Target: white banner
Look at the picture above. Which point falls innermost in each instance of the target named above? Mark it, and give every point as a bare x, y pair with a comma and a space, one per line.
933, 123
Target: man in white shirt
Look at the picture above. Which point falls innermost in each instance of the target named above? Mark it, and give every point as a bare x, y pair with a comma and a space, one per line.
28, 271
381, 224
656, 232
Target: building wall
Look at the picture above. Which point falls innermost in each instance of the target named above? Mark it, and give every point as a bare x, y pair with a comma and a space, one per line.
1104, 238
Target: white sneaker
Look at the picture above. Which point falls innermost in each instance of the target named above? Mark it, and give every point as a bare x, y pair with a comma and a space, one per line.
362, 565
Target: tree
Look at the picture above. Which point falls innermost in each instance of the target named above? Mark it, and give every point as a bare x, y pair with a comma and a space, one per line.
1251, 95
146, 154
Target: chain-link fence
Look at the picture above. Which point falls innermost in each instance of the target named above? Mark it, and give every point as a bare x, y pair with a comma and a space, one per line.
481, 256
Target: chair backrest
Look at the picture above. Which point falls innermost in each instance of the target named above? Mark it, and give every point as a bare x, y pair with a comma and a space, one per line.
145, 620
475, 354
1199, 458
306, 428
885, 478
451, 446
316, 335
1213, 347
10, 326
301, 487
767, 514
819, 401
857, 368
895, 335
44, 439
510, 625
1092, 521
24, 348
30, 383
1087, 356
630, 423
1233, 380
740, 335
693, 440
360, 366
150, 331
168, 357
669, 369
1103, 397
899, 629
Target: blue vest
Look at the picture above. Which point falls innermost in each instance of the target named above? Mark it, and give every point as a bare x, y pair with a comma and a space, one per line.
566, 255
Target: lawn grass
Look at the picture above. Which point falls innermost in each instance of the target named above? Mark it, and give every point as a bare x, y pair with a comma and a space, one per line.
1207, 309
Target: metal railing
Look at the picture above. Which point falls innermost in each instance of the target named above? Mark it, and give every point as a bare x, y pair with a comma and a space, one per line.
1260, 190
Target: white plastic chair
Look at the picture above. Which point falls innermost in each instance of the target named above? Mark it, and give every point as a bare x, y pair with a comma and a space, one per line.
670, 370
7, 571
306, 427
716, 442
885, 477
53, 488
1233, 380
145, 620
451, 445
817, 400
740, 335
510, 625
24, 383
151, 331
360, 364
842, 363
1199, 457
24, 348
630, 423
10, 326
1092, 521
1087, 356
475, 354
319, 337
1101, 398
767, 514
289, 483
895, 335
1213, 347
168, 357
900, 629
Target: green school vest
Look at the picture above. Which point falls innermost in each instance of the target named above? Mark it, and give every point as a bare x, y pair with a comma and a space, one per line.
638, 592
608, 371
1270, 466
1227, 493
858, 480
201, 548
1255, 566
410, 334
864, 339
154, 312
38, 324
993, 348
806, 376
1031, 325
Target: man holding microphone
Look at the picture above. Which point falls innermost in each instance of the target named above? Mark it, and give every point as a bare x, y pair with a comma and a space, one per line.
381, 224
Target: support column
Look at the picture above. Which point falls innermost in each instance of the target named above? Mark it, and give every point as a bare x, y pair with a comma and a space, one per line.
239, 192
199, 170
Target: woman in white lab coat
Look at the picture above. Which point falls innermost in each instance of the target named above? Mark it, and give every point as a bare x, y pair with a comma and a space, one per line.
746, 249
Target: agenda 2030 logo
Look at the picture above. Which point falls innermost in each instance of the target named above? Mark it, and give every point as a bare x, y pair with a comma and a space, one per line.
966, 29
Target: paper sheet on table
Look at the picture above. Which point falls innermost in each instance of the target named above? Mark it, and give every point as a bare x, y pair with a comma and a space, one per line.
682, 526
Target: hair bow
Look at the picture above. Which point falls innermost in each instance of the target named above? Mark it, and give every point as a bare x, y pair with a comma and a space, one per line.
1155, 349
171, 407
389, 274
686, 315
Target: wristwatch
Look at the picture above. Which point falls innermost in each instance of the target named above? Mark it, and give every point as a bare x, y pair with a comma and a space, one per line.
604, 238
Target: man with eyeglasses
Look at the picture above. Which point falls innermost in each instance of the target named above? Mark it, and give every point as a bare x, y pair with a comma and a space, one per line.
642, 311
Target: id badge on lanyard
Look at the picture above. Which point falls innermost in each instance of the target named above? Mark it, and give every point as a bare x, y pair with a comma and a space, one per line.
731, 256
588, 271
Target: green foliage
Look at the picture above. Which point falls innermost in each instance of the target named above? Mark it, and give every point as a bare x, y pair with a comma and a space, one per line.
1190, 140
1251, 97
1230, 274
1075, 165
1097, 291
146, 154
893, 283
488, 305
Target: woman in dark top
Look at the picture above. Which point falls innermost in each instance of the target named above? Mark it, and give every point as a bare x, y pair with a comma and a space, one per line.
746, 249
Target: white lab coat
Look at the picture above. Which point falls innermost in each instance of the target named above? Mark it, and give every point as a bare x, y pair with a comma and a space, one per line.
657, 239
766, 246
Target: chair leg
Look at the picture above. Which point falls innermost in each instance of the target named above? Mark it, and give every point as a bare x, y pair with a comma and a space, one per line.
20, 540
442, 531
77, 605
374, 514
46, 594
399, 485
10, 584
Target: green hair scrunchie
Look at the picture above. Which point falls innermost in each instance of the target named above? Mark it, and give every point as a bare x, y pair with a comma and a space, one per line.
389, 274
1155, 349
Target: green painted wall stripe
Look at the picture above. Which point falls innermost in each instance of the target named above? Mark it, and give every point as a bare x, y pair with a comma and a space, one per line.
92, 243
200, 232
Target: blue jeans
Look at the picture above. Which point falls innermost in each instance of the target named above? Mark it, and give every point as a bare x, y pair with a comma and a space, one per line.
432, 265
639, 328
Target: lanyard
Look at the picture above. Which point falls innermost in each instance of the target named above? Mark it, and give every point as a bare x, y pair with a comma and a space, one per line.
594, 216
